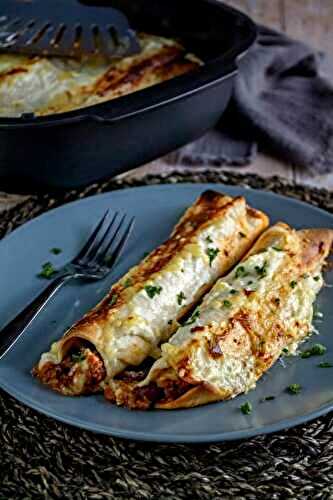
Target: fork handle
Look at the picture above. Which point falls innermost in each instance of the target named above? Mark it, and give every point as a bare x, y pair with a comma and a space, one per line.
15, 328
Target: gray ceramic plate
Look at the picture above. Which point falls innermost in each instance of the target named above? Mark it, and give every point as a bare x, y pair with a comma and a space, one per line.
156, 209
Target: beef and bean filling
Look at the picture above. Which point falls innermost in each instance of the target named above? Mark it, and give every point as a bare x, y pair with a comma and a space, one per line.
80, 372
125, 390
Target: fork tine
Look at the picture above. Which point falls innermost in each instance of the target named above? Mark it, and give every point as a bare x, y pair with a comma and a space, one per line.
122, 242
103, 252
98, 244
91, 239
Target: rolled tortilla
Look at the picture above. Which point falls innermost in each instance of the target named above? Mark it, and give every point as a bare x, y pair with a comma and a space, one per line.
262, 308
142, 309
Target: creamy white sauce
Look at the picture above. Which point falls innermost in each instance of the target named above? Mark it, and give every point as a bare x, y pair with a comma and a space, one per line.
228, 372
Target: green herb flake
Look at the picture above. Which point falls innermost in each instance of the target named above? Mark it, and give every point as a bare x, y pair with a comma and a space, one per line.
277, 249
305, 275
315, 350
325, 364
318, 349
127, 283
56, 251
48, 271
233, 292
294, 388
241, 234
227, 303
241, 272
170, 322
193, 318
209, 239
246, 408
113, 299
78, 357
212, 254
316, 278
293, 284
285, 350
153, 290
261, 270
277, 301
180, 298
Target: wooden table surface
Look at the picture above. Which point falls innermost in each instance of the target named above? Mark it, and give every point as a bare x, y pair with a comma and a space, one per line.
308, 20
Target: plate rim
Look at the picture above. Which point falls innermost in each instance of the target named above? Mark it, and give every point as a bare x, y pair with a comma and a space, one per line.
162, 186
160, 436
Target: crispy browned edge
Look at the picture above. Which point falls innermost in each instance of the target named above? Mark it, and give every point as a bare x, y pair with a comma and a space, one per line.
316, 245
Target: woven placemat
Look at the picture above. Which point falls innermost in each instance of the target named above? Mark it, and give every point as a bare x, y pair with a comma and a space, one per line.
41, 458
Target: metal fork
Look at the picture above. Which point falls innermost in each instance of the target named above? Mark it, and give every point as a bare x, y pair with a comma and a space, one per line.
94, 261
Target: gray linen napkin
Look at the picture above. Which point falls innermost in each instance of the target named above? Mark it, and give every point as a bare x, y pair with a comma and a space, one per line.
281, 103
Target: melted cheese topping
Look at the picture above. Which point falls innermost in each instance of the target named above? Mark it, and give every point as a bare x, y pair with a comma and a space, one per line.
52, 85
232, 366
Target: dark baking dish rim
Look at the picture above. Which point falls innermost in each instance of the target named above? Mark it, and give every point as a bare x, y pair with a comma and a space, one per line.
210, 74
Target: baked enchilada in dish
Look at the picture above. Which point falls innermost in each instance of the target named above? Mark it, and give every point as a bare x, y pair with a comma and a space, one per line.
262, 308
143, 308
43, 85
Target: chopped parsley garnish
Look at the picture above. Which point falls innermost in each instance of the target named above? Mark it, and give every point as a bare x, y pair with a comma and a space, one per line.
127, 283
180, 298
325, 364
227, 303
250, 283
269, 398
315, 350
293, 284
241, 272
233, 292
241, 234
261, 271
316, 278
47, 271
209, 239
193, 318
277, 249
294, 388
285, 350
56, 251
212, 254
113, 299
78, 357
246, 408
153, 290
277, 301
